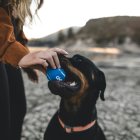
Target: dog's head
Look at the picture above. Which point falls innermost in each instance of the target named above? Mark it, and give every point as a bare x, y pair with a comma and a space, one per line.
82, 78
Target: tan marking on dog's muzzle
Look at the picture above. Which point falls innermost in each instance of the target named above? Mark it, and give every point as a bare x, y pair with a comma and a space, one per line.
84, 85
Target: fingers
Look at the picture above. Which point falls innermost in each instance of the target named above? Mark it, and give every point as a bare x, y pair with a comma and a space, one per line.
40, 61
51, 56
44, 63
56, 60
55, 56
42, 58
59, 51
51, 61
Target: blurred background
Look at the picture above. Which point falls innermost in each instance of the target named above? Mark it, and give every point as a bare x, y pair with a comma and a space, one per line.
108, 33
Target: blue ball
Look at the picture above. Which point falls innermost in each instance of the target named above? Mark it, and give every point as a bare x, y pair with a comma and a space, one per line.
55, 74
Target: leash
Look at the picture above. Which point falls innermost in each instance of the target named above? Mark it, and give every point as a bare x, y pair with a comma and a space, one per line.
70, 129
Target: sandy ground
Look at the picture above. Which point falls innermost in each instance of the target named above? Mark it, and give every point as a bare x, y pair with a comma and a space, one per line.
119, 115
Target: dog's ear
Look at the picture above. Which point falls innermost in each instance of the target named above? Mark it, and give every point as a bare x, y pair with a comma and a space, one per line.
101, 84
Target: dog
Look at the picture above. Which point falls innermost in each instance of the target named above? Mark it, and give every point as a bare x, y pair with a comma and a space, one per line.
76, 118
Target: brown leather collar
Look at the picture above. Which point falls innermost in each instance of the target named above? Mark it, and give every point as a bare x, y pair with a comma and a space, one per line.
70, 129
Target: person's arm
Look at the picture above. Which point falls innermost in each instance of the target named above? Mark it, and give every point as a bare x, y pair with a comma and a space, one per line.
16, 54
11, 51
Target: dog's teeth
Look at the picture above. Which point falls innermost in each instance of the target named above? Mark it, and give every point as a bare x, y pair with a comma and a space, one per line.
73, 83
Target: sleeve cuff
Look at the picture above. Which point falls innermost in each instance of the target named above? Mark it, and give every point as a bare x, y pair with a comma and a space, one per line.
14, 53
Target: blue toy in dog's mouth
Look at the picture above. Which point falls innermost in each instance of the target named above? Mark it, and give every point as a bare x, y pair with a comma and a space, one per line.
55, 74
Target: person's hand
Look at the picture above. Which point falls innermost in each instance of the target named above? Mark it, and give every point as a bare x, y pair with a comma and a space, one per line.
41, 59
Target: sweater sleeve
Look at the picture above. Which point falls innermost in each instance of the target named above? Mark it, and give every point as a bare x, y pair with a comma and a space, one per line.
11, 51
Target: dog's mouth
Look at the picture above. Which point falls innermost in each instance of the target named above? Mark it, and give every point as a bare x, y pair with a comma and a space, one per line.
70, 85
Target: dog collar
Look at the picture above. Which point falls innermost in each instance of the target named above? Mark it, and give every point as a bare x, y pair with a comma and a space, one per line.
70, 129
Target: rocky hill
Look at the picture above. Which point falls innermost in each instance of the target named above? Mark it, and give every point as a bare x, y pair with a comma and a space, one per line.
101, 31
105, 30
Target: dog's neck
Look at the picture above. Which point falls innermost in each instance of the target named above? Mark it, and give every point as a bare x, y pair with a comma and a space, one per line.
80, 115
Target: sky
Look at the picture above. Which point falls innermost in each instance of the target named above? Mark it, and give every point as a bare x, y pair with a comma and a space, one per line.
59, 14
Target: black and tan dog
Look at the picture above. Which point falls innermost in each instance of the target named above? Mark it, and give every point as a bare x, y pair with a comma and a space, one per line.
77, 117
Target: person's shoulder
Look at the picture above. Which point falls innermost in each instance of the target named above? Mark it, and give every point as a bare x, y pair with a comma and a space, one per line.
2, 10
